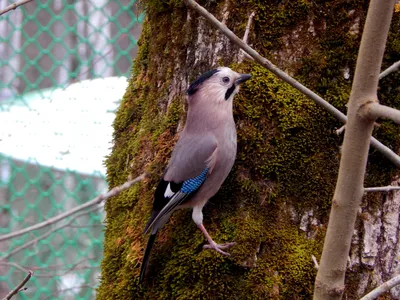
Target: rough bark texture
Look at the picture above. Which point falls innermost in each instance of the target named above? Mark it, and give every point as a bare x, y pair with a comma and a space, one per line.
276, 200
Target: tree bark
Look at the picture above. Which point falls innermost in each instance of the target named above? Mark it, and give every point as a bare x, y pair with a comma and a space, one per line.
276, 201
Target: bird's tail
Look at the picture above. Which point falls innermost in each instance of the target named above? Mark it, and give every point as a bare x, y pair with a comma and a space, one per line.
146, 257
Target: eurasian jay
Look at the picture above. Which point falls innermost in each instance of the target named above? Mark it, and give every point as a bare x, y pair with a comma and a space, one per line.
203, 156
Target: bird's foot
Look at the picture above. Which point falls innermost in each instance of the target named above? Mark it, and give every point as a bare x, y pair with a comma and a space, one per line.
219, 247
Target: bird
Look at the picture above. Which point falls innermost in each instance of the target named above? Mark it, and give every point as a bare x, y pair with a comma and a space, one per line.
202, 157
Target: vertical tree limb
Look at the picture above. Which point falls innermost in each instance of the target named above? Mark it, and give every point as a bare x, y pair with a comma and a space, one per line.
329, 283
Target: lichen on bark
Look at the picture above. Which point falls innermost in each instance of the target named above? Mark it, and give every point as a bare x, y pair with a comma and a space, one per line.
275, 202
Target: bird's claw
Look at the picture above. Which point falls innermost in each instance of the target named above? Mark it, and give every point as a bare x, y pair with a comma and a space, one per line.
219, 247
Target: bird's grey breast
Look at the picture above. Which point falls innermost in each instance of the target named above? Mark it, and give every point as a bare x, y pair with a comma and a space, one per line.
227, 146
231, 136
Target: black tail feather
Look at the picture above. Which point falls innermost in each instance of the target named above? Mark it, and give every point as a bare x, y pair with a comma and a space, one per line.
146, 257
154, 214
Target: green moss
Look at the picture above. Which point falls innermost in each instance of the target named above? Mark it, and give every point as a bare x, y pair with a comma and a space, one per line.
286, 165
170, 120
278, 140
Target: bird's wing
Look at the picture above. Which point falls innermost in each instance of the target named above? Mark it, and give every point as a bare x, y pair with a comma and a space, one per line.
191, 162
191, 155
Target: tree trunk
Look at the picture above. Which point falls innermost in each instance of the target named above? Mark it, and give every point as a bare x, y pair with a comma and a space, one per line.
276, 201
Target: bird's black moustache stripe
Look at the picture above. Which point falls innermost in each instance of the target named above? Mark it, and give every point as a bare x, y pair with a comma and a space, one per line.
230, 91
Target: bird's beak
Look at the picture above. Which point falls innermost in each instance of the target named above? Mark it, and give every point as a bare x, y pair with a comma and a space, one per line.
242, 78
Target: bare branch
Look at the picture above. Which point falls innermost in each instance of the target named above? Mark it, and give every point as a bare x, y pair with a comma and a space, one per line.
95, 61
393, 157
19, 287
330, 280
86, 225
385, 151
314, 259
384, 287
83, 286
382, 188
376, 110
246, 37
249, 22
225, 12
265, 62
14, 6
340, 130
45, 235
78, 266
113, 192
15, 265
389, 70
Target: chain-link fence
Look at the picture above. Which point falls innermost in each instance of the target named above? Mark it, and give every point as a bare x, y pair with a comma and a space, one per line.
63, 69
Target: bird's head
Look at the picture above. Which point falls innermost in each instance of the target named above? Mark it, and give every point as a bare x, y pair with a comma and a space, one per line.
218, 85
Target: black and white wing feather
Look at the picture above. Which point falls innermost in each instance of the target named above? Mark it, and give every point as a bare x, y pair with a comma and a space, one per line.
170, 194
193, 159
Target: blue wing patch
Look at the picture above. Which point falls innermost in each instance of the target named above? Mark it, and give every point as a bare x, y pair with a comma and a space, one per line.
187, 188
192, 184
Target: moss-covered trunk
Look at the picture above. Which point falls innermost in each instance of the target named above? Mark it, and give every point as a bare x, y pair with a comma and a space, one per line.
276, 201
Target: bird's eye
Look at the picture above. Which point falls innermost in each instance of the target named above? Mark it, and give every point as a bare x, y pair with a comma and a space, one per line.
225, 79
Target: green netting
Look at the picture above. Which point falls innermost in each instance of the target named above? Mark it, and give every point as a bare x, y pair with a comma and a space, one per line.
64, 67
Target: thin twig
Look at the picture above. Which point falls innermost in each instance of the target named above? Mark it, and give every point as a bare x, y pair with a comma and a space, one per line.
62, 266
385, 151
83, 286
45, 235
246, 33
246, 37
265, 62
87, 226
75, 267
393, 157
389, 70
384, 287
382, 188
314, 259
19, 287
340, 130
95, 61
113, 192
14, 6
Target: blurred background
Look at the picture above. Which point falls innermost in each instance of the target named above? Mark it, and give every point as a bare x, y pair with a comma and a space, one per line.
64, 66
